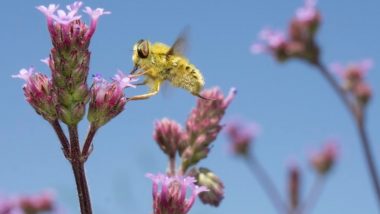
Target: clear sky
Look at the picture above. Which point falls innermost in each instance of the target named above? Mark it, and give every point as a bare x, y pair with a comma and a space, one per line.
293, 104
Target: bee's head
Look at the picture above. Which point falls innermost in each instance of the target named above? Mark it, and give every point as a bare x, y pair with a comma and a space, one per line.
141, 50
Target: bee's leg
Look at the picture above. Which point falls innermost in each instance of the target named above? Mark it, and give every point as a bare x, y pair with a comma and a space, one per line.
154, 90
140, 73
142, 83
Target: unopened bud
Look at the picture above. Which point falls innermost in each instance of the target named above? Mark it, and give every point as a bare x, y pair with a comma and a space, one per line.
323, 160
167, 134
207, 178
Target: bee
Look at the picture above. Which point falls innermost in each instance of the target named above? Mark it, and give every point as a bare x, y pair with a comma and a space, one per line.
158, 62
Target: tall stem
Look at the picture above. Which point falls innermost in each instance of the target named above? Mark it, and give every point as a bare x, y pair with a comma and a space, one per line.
79, 172
266, 182
359, 119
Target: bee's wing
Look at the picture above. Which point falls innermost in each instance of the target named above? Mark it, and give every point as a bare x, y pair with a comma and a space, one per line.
180, 45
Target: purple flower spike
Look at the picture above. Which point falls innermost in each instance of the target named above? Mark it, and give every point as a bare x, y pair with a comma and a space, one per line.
203, 126
172, 197
70, 58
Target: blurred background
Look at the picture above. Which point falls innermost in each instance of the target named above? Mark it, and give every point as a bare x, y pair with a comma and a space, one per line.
294, 106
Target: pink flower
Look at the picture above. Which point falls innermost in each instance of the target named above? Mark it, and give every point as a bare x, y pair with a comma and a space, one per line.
25, 74
124, 80
308, 13
67, 22
323, 160
94, 14
241, 136
271, 41
170, 193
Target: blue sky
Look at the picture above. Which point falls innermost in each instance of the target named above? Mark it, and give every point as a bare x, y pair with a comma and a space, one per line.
294, 106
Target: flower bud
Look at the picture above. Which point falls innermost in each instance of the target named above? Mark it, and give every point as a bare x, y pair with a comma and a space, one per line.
241, 136
167, 134
322, 161
208, 179
38, 91
363, 93
294, 185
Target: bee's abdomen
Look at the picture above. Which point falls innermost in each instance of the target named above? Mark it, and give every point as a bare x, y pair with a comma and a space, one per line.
187, 76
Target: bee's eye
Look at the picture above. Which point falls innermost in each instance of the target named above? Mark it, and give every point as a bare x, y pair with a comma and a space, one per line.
143, 49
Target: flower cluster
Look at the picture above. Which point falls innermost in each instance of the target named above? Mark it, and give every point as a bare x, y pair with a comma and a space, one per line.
300, 40
69, 58
353, 77
193, 142
33, 204
170, 193
107, 98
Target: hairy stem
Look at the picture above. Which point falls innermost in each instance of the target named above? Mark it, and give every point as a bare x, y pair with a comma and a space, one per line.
358, 116
79, 172
87, 147
62, 137
265, 181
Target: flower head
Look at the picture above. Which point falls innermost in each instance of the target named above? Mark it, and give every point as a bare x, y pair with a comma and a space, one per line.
107, 98
170, 193
168, 134
38, 91
323, 160
241, 136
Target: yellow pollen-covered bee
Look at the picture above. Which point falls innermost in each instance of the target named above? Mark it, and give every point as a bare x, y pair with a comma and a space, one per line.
158, 62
